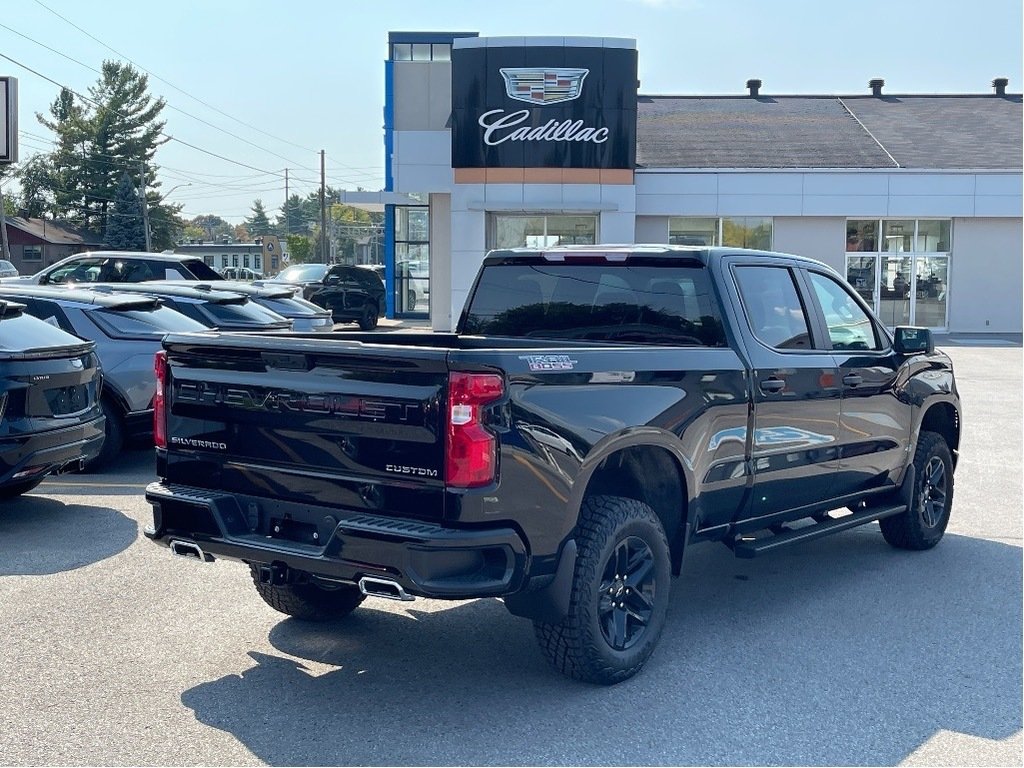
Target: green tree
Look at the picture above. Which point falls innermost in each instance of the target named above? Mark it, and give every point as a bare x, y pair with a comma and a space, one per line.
300, 249
125, 230
258, 223
213, 227
292, 219
115, 134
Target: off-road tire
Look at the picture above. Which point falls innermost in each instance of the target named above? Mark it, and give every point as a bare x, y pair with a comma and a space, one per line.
13, 490
307, 601
924, 523
579, 646
113, 438
368, 320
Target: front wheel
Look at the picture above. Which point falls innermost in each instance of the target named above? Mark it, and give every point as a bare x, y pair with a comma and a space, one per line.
619, 594
308, 601
924, 523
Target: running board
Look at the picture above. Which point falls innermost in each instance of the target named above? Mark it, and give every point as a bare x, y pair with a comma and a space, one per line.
748, 546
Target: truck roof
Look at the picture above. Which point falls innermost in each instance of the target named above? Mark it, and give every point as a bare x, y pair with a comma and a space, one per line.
622, 251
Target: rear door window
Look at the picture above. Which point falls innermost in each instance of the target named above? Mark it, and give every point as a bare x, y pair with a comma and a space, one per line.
772, 306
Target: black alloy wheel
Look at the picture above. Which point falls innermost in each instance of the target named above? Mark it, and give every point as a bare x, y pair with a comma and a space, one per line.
626, 593
932, 494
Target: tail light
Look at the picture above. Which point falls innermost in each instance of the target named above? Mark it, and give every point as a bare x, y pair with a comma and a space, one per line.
160, 400
472, 456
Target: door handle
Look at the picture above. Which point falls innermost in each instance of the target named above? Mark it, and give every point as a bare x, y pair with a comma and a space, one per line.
773, 385
852, 380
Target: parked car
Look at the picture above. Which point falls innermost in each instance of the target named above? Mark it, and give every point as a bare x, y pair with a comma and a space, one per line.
598, 411
352, 294
127, 329
412, 278
210, 306
121, 267
306, 316
50, 415
7, 269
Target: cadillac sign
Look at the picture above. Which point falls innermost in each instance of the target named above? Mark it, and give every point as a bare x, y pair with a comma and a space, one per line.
580, 107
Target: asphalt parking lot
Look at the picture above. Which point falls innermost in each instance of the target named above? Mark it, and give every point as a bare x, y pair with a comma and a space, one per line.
836, 652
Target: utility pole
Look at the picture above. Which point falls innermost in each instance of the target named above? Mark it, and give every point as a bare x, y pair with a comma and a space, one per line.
145, 204
324, 250
5, 253
287, 218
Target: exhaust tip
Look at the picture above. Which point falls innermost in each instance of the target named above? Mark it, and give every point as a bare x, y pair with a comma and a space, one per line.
188, 549
386, 588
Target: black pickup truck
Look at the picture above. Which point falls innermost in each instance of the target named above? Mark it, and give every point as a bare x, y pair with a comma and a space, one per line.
599, 410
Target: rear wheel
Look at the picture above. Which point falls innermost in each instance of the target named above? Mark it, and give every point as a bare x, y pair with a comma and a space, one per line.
924, 523
619, 594
13, 490
308, 601
368, 320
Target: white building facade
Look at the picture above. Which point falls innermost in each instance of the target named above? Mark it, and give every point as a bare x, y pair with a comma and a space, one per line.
505, 142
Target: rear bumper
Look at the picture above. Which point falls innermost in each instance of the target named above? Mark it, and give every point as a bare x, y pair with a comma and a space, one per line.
24, 457
426, 559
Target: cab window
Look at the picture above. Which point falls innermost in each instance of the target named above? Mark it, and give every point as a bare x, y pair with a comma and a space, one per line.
849, 326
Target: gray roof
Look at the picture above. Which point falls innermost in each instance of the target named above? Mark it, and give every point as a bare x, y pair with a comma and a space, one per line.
54, 232
934, 132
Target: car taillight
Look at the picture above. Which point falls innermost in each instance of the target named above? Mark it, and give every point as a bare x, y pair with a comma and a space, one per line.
472, 457
160, 400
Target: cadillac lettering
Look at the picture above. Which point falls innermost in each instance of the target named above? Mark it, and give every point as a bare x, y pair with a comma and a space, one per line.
496, 121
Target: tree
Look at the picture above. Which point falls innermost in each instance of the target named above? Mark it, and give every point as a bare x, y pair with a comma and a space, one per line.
213, 227
258, 223
125, 230
116, 133
300, 249
291, 221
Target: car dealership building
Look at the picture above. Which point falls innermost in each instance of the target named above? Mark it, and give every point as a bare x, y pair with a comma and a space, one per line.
506, 142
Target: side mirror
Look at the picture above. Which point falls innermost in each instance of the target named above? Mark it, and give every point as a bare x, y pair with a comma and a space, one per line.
913, 341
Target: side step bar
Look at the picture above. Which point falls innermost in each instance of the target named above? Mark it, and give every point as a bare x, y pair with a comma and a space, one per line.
748, 546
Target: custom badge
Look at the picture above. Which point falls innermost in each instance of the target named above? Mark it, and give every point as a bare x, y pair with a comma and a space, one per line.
549, 362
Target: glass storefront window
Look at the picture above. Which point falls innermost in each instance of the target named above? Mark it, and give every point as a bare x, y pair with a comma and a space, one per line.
894, 291
442, 51
412, 259
932, 236
860, 273
897, 236
931, 275
515, 231
747, 232
692, 231
401, 52
421, 51
862, 235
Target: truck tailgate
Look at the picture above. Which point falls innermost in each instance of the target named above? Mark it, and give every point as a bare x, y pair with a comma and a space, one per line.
329, 422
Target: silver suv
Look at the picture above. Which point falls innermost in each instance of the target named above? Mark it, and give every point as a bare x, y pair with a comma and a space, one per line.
127, 329
120, 267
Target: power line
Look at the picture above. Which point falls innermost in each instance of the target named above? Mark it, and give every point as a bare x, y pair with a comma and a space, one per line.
168, 136
162, 80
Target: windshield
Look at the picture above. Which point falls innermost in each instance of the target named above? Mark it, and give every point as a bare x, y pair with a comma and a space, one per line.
301, 273
664, 304
142, 323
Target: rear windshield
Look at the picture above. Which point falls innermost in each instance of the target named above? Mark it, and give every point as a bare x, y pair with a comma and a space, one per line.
143, 323
19, 333
241, 313
670, 304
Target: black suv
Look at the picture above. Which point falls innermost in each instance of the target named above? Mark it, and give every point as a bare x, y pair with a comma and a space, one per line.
121, 267
352, 294
50, 416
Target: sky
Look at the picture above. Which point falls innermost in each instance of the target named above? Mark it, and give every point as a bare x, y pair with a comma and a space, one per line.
267, 85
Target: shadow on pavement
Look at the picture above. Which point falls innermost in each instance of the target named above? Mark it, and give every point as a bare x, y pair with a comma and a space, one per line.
40, 536
838, 652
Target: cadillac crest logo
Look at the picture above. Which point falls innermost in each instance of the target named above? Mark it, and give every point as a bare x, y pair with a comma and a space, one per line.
540, 85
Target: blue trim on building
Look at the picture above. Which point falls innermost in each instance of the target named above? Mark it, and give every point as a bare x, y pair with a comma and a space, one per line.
389, 186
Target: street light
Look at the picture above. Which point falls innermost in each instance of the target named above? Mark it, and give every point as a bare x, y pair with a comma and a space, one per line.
145, 212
